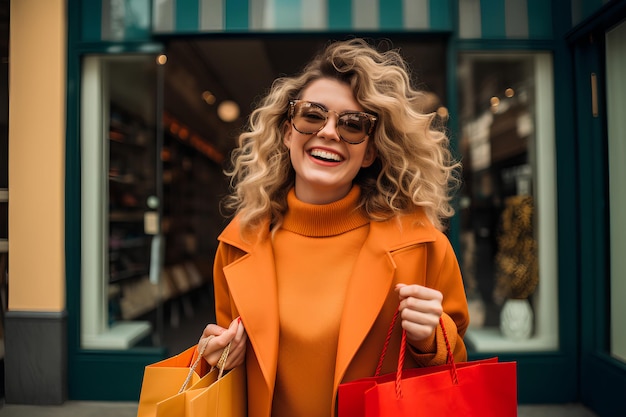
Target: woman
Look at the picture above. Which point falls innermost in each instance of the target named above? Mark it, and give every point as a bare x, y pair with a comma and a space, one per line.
340, 186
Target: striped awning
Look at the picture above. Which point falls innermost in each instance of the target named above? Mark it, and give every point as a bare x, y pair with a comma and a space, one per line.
470, 19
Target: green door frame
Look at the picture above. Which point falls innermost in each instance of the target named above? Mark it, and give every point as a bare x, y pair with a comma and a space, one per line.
92, 374
603, 378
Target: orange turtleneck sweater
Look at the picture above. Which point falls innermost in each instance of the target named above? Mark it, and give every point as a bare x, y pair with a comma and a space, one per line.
315, 250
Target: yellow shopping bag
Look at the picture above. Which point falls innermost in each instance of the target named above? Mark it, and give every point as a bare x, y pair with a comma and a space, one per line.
181, 387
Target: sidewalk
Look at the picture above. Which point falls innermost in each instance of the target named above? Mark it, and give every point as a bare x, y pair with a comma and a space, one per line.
117, 409
72, 409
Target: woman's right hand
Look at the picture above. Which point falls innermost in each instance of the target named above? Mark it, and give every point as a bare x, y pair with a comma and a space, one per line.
217, 338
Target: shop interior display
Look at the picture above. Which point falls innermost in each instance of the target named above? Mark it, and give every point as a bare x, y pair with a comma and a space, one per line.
131, 179
189, 181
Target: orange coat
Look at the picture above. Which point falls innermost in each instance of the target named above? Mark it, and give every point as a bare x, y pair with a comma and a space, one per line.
411, 251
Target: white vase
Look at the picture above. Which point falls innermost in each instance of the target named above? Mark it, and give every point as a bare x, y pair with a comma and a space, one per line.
516, 319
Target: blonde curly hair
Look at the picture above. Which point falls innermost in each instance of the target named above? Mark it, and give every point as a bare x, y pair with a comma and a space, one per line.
414, 167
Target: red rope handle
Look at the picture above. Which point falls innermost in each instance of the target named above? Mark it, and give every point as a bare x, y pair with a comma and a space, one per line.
455, 377
402, 353
386, 345
400, 365
450, 360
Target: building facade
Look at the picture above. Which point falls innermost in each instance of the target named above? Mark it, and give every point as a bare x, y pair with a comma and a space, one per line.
107, 143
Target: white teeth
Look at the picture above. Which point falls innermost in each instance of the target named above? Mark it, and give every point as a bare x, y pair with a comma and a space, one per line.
318, 153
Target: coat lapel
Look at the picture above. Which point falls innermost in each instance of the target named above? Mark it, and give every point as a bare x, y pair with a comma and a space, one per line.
366, 294
252, 283
371, 281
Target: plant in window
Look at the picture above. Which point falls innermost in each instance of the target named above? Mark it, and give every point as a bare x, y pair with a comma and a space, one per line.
517, 272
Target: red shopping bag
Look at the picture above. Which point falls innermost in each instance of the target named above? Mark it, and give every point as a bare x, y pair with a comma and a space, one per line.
486, 388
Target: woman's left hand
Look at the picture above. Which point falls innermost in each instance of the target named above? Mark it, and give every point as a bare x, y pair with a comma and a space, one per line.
420, 309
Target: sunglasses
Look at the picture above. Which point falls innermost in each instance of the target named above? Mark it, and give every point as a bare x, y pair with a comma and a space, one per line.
308, 118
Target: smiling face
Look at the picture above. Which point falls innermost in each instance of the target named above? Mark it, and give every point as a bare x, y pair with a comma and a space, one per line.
324, 164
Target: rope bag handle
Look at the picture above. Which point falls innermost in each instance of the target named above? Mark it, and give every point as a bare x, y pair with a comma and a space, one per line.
221, 363
450, 356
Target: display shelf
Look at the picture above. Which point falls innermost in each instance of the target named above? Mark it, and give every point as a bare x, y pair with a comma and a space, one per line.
132, 178
125, 217
128, 242
117, 141
128, 273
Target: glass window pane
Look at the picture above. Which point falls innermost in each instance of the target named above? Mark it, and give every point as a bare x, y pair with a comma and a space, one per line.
616, 107
119, 225
508, 203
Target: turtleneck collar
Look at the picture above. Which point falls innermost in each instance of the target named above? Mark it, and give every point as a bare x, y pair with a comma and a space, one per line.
321, 220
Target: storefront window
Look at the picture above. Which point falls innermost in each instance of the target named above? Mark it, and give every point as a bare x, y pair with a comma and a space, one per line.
120, 182
508, 201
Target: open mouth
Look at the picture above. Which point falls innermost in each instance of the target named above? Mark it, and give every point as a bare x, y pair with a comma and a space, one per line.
326, 155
